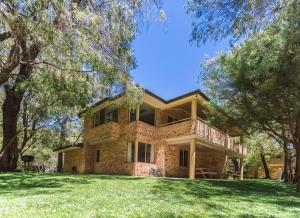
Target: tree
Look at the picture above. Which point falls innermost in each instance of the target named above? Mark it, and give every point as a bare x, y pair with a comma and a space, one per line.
62, 142
260, 149
218, 19
84, 45
257, 83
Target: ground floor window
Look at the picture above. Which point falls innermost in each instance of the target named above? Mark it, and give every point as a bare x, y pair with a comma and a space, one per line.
145, 153
130, 152
183, 158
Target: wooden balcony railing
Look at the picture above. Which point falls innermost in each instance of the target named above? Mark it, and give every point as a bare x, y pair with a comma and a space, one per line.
219, 137
206, 131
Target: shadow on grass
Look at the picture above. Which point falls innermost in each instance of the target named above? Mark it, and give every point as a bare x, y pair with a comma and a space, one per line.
259, 191
10, 183
13, 182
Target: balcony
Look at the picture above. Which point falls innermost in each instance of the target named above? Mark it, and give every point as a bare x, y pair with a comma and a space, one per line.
104, 133
208, 134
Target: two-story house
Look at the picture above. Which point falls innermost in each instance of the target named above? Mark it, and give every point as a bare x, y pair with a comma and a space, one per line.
171, 136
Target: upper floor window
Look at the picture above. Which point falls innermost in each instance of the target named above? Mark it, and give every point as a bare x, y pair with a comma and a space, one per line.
111, 116
132, 115
106, 115
99, 118
147, 114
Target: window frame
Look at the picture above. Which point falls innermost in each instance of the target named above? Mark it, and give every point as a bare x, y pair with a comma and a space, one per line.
149, 154
130, 113
131, 152
183, 162
100, 117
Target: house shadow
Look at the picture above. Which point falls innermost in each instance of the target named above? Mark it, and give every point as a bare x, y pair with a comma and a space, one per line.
44, 183
37, 183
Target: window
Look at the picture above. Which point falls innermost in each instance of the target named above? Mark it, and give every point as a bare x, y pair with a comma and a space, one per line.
99, 117
145, 153
183, 158
132, 115
104, 116
172, 119
130, 152
141, 152
147, 114
98, 156
111, 116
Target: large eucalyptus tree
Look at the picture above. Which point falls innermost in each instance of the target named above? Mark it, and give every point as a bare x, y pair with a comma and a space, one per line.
73, 49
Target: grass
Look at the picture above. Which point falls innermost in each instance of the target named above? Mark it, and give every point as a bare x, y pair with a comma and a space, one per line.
65, 195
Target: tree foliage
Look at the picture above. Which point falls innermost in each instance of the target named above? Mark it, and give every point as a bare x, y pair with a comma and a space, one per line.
262, 148
218, 19
64, 53
257, 83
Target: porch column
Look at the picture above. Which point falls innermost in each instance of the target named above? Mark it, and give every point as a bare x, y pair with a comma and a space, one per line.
137, 113
136, 145
194, 109
192, 159
242, 168
227, 139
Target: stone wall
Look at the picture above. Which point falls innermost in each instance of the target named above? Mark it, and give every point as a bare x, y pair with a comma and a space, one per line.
113, 159
106, 132
113, 150
172, 167
212, 159
179, 129
74, 158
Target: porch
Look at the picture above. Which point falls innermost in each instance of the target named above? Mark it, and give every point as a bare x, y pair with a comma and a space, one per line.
195, 160
186, 123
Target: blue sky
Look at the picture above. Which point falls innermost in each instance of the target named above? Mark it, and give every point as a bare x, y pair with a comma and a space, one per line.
168, 64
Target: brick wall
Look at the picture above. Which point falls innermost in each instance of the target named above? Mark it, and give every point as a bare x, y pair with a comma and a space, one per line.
212, 159
172, 167
74, 158
113, 150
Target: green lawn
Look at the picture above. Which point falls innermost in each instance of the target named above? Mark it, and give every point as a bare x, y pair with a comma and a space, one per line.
64, 195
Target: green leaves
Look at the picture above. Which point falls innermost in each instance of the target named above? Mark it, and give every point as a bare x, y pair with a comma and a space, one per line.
219, 19
257, 83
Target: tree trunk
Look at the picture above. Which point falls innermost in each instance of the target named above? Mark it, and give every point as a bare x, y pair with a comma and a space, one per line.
264, 162
286, 176
235, 164
10, 108
298, 167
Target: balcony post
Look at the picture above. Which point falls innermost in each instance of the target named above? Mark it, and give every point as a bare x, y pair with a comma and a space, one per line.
192, 159
227, 139
137, 113
194, 109
136, 146
242, 168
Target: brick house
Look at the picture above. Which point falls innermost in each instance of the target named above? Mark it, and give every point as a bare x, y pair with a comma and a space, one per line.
167, 136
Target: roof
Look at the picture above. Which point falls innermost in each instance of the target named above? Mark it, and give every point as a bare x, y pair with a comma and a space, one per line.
69, 147
197, 91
